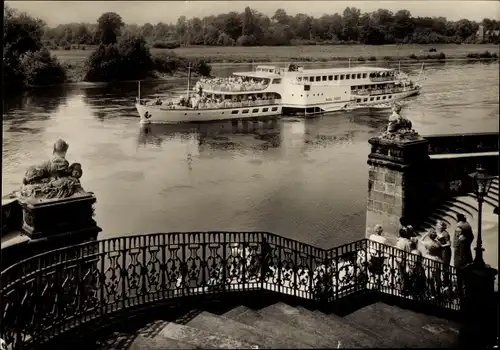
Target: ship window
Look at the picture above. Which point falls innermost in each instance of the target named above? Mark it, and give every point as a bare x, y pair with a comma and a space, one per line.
277, 81
274, 109
371, 98
365, 99
244, 111
378, 98
359, 76
364, 75
330, 77
255, 110
341, 76
307, 87
324, 78
347, 76
353, 76
384, 97
234, 112
336, 77
390, 96
301, 95
358, 100
311, 78
353, 87
318, 78
265, 109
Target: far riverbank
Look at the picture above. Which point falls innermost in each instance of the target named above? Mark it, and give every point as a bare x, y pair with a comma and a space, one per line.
359, 54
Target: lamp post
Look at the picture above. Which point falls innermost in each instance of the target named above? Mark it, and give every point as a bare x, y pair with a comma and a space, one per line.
482, 183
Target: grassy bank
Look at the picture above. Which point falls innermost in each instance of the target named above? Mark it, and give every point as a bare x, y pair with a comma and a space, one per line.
75, 59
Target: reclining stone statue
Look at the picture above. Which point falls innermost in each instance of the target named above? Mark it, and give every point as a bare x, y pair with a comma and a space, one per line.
54, 178
399, 127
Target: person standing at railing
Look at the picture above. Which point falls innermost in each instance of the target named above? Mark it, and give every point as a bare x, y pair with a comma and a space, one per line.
417, 275
433, 253
376, 255
462, 248
404, 245
444, 240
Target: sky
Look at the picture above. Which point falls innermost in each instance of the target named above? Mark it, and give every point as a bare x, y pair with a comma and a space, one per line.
140, 12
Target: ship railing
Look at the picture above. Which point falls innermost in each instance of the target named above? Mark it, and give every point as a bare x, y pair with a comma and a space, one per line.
233, 88
239, 104
379, 92
377, 79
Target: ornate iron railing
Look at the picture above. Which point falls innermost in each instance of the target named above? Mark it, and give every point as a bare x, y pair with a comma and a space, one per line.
48, 294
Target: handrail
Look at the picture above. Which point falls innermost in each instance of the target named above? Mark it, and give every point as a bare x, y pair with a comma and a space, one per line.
48, 294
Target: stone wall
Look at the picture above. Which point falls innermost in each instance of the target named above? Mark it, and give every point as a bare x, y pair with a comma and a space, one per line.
450, 175
462, 143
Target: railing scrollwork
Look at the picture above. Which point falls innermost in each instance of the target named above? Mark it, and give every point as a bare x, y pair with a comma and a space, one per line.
53, 292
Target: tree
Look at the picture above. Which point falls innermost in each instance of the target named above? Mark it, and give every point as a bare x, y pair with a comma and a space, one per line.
108, 28
281, 17
403, 25
351, 22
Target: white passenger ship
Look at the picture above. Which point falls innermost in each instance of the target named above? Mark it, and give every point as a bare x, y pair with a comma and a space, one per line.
272, 90
313, 91
244, 95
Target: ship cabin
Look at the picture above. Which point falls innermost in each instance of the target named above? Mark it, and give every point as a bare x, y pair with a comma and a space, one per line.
248, 88
305, 87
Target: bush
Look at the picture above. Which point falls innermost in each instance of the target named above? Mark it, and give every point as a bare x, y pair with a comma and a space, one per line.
246, 40
200, 66
225, 40
166, 45
166, 62
361, 59
40, 68
372, 58
129, 59
387, 58
413, 56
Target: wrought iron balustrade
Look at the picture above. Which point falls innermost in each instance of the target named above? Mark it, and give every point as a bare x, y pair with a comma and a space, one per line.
51, 293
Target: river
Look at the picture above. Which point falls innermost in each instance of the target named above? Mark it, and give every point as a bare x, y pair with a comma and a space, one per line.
303, 179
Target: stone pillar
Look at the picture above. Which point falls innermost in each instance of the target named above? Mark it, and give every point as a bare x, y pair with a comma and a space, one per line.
479, 307
396, 185
56, 211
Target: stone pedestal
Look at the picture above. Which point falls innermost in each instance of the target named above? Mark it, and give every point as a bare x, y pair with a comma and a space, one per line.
51, 224
49, 217
479, 307
396, 185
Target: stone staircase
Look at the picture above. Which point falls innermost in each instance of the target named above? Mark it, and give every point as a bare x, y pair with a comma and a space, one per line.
279, 325
466, 205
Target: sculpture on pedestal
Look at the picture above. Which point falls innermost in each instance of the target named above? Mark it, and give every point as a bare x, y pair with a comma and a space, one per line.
53, 179
399, 127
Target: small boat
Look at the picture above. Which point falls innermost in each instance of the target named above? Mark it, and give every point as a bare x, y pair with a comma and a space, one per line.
244, 95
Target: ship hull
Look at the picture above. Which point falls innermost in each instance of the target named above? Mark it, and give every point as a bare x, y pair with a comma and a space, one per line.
153, 114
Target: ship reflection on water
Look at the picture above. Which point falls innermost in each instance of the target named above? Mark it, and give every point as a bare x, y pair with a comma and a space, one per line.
224, 135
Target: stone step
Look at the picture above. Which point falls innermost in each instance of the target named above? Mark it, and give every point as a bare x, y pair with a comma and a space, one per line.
365, 337
382, 321
231, 314
431, 328
237, 330
312, 325
277, 329
158, 343
202, 339
494, 190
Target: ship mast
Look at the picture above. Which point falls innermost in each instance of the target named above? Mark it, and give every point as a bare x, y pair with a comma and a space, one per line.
189, 78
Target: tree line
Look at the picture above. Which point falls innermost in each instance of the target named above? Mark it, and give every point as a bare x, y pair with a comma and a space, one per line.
252, 28
27, 60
